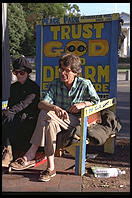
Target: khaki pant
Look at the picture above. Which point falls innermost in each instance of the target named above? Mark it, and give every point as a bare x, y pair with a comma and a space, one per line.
47, 129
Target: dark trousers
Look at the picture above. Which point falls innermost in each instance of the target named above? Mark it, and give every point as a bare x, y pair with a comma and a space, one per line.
18, 131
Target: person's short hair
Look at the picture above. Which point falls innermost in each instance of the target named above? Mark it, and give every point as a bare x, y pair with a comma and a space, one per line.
72, 61
23, 64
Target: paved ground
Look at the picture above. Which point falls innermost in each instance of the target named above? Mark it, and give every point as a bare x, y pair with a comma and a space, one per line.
66, 180
27, 181
123, 107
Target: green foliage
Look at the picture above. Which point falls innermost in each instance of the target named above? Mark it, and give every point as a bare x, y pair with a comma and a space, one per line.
28, 47
23, 18
17, 27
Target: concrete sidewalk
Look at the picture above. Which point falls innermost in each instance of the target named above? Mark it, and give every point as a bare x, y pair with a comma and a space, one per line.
27, 180
123, 107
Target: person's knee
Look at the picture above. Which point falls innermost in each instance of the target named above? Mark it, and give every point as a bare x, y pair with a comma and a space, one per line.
53, 126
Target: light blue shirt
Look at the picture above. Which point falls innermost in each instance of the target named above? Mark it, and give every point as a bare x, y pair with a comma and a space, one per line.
81, 90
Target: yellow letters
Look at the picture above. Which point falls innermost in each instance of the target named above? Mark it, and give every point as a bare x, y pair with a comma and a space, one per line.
65, 30
90, 72
100, 72
83, 61
44, 86
76, 31
98, 47
56, 72
55, 30
101, 87
48, 73
51, 49
103, 72
98, 27
87, 31
76, 34
85, 40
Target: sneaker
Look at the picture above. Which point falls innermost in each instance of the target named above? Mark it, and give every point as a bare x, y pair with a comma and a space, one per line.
47, 175
21, 164
6, 157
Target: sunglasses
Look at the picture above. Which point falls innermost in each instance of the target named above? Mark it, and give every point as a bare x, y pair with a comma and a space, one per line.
20, 72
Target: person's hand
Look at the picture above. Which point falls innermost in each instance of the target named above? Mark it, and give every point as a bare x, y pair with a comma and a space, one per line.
61, 113
77, 107
7, 114
4, 111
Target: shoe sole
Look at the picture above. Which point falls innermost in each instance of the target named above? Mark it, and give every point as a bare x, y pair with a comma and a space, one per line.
46, 180
28, 166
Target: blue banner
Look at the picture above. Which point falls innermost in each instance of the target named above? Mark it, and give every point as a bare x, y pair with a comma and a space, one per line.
95, 42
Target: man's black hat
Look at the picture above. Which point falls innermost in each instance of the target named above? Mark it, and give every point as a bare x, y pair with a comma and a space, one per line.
23, 64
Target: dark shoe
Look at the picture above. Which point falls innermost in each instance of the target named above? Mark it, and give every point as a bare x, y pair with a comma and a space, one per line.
6, 157
47, 175
21, 164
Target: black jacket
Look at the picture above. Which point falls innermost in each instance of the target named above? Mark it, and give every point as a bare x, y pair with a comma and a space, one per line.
19, 121
24, 99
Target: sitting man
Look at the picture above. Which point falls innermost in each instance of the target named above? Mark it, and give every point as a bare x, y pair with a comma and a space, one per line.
61, 107
20, 117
